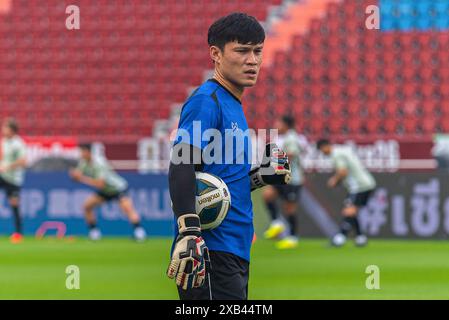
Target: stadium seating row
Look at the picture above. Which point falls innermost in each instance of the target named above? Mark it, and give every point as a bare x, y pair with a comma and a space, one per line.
406, 15
342, 79
125, 67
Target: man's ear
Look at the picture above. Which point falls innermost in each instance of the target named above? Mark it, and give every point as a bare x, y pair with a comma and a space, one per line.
215, 54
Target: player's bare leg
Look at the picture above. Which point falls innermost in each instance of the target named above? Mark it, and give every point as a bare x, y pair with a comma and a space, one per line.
126, 204
291, 241
16, 237
276, 227
90, 204
127, 207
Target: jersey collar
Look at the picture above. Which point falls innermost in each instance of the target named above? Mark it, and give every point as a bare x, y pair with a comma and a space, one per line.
232, 95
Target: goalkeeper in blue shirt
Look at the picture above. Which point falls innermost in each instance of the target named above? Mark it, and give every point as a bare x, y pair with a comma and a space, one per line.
214, 264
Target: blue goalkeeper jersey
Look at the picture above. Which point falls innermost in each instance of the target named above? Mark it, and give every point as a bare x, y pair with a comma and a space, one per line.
227, 155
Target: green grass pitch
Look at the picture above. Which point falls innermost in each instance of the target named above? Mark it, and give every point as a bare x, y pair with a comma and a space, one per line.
118, 268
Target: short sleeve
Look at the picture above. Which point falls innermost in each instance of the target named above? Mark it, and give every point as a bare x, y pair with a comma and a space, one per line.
21, 150
340, 161
199, 114
303, 143
102, 169
291, 147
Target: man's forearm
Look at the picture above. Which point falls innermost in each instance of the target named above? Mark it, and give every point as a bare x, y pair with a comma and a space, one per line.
182, 185
182, 178
21, 163
338, 177
96, 183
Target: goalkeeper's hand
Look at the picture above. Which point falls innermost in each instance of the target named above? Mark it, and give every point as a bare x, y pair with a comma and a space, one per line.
274, 170
188, 262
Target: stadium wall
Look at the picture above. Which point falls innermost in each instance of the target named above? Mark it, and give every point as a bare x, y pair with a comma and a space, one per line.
152, 154
60, 199
405, 205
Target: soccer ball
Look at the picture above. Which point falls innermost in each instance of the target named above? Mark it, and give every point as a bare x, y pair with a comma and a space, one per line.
212, 200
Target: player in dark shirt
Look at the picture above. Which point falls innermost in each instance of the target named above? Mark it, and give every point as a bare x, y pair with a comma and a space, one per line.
235, 44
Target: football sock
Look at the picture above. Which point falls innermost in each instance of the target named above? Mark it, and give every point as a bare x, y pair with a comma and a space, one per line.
136, 225
356, 226
350, 223
17, 219
92, 226
346, 225
292, 223
272, 210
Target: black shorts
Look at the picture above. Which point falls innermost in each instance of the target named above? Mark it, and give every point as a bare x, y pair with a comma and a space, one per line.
112, 196
358, 199
226, 279
11, 190
289, 192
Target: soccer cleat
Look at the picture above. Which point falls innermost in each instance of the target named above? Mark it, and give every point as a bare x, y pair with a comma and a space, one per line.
16, 238
275, 230
140, 234
361, 240
95, 234
338, 240
289, 242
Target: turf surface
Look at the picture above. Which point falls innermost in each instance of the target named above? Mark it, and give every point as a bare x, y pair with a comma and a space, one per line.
118, 268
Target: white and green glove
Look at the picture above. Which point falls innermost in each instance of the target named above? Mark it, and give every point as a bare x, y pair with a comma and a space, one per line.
188, 262
274, 170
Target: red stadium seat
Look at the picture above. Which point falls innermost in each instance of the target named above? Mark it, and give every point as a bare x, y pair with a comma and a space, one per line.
373, 126
113, 63
337, 77
336, 126
444, 125
429, 125
410, 125
391, 126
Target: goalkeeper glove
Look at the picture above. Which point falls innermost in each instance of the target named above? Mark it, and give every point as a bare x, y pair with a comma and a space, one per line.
188, 262
275, 168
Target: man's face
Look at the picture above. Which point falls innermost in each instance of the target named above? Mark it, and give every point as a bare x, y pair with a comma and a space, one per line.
326, 149
6, 131
85, 154
239, 63
281, 126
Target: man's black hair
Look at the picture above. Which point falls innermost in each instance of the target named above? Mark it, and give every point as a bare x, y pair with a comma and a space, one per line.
11, 123
321, 143
288, 120
85, 146
238, 27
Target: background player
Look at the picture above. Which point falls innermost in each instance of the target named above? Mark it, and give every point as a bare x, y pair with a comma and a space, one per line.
293, 144
358, 181
12, 171
97, 173
235, 46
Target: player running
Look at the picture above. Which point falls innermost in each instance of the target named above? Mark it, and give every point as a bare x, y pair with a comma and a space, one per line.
360, 185
293, 144
214, 264
97, 173
12, 171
